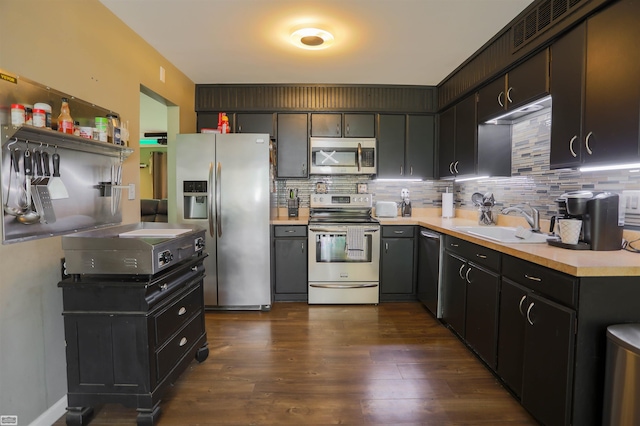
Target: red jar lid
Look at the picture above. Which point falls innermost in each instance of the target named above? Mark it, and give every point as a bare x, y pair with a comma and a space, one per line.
18, 106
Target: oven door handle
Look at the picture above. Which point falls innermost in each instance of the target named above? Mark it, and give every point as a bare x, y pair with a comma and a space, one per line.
367, 285
338, 231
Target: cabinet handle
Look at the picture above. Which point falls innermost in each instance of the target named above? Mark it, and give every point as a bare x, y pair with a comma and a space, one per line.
401, 171
509, 95
500, 95
453, 245
398, 232
182, 311
183, 341
304, 169
337, 129
466, 276
532, 278
302, 247
163, 286
460, 272
573, 139
586, 143
481, 256
240, 128
529, 313
451, 167
348, 129
520, 304
455, 167
410, 170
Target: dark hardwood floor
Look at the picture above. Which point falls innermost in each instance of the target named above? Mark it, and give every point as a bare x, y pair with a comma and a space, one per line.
391, 364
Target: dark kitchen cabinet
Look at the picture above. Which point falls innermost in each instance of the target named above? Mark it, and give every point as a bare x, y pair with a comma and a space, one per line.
397, 275
255, 123
406, 146
391, 141
523, 84
458, 139
537, 330
596, 114
348, 125
292, 147
454, 289
290, 263
471, 287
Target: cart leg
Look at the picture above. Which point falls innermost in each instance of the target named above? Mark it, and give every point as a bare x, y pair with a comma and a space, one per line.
147, 417
79, 416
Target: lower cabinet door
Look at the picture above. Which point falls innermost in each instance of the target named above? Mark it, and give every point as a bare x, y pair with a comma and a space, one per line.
482, 313
548, 360
511, 329
455, 292
397, 266
291, 276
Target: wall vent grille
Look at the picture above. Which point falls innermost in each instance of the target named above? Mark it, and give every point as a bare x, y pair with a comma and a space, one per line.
541, 17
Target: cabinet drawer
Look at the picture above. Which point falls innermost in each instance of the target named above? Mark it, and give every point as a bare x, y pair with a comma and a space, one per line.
290, 231
170, 354
177, 314
553, 284
475, 253
394, 231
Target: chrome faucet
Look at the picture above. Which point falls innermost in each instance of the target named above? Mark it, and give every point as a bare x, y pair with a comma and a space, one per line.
532, 219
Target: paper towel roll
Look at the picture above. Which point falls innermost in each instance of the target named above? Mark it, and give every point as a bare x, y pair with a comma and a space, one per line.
447, 204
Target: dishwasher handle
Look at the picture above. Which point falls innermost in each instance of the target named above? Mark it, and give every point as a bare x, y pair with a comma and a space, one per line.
430, 235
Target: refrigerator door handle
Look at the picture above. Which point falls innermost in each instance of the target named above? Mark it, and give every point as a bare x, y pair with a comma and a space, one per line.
218, 199
210, 200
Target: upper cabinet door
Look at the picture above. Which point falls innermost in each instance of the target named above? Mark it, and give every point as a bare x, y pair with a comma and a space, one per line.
492, 100
528, 81
391, 137
255, 123
567, 88
419, 151
612, 109
359, 126
293, 146
466, 136
326, 125
447, 143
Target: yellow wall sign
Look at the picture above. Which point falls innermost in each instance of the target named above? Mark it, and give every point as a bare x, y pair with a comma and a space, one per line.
8, 78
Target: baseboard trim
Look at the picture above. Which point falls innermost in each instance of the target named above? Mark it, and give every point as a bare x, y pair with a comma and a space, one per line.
52, 415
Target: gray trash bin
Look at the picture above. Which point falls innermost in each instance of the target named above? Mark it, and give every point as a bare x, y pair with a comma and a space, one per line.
622, 376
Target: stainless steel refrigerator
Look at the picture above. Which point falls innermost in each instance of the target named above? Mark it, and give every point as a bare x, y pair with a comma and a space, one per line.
223, 184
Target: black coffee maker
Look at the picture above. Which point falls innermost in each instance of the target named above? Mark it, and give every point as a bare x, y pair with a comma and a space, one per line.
602, 223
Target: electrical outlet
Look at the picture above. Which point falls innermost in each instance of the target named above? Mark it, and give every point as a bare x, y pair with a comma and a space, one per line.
132, 191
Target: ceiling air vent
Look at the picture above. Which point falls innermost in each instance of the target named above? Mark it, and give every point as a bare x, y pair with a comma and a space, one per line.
539, 18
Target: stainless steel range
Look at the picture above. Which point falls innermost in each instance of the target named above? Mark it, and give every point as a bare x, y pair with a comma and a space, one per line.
344, 250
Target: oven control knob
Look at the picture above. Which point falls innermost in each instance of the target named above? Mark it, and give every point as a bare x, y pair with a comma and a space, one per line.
321, 199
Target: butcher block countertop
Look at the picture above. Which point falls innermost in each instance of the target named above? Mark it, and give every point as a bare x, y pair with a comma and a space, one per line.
579, 263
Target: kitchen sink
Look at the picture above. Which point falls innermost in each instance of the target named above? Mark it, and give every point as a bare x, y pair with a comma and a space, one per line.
504, 234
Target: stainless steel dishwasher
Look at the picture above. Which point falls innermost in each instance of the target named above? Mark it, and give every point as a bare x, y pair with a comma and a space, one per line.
430, 270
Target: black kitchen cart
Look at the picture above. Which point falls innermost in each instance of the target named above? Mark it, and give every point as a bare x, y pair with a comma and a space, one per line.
129, 337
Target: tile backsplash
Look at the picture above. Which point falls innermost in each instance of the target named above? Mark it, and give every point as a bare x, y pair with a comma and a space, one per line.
531, 179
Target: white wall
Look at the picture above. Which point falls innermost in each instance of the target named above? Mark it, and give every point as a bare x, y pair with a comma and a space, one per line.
80, 48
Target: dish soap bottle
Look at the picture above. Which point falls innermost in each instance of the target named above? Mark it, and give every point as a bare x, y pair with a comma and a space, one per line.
65, 122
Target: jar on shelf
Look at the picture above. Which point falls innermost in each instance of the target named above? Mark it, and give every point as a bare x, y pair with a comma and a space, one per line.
18, 115
65, 122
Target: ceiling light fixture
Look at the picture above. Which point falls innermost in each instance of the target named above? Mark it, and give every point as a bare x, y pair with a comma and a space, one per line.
311, 38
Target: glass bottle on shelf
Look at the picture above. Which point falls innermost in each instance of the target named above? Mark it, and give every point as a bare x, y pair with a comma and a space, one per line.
65, 122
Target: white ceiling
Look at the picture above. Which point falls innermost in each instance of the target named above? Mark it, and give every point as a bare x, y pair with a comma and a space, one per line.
415, 42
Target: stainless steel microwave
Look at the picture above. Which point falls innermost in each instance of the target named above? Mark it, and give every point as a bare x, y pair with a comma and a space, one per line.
342, 156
